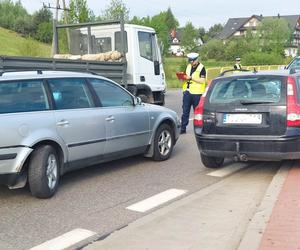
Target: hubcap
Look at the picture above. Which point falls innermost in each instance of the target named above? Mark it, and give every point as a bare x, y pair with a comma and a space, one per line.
164, 142
51, 171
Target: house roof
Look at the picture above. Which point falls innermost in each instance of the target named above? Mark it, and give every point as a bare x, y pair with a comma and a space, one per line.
234, 24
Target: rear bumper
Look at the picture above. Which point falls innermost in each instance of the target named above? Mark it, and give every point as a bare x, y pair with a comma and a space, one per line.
275, 148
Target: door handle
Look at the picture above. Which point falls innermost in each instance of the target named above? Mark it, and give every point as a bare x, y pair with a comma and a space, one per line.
110, 119
62, 123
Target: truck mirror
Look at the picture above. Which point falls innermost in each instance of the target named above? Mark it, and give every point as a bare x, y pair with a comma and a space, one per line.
156, 68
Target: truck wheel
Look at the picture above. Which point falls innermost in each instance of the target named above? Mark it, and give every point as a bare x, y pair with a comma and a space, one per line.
144, 98
163, 143
43, 172
211, 162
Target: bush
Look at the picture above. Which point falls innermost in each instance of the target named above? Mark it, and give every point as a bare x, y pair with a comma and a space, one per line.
262, 58
44, 32
214, 49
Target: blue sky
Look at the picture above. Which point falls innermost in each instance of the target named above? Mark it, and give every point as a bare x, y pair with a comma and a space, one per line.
199, 12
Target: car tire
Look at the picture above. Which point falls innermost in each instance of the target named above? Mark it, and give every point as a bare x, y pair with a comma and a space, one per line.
163, 143
43, 172
211, 161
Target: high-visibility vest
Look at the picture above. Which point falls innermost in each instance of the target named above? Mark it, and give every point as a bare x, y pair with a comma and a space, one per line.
237, 66
193, 86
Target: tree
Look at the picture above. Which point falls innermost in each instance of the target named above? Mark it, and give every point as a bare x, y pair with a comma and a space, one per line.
114, 10
79, 11
10, 12
170, 20
274, 34
43, 15
201, 32
157, 22
189, 37
214, 31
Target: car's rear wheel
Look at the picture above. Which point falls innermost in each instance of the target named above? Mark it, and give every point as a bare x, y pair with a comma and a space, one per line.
43, 172
163, 143
211, 161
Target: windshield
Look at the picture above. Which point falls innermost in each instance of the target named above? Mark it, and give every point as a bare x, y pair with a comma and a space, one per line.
261, 89
294, 63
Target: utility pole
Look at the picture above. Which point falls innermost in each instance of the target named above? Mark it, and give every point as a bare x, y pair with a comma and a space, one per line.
55, 19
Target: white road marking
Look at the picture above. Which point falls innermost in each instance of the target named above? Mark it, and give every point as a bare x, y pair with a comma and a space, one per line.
228, 170
66, 240
156, 200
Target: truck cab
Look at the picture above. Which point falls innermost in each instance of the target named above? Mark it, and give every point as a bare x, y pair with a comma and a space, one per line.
144, 74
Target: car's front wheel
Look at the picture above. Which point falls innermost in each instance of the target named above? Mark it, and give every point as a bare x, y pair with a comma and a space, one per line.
211, 161
43, 172
163, 143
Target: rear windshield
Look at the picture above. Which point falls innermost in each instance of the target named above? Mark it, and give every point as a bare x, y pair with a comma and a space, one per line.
23, 96
264, 89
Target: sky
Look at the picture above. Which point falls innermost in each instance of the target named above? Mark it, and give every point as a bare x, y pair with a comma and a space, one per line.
201, 13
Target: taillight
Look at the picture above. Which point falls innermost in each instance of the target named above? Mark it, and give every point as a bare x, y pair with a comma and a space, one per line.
293, 109
198, 113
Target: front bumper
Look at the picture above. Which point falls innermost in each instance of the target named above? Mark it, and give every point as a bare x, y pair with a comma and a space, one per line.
13, 158
262, 148
10, 179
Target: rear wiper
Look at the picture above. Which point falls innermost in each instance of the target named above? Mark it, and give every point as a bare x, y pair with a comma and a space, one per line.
245, 102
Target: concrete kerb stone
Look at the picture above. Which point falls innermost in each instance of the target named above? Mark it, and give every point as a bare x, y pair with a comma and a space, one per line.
257, 226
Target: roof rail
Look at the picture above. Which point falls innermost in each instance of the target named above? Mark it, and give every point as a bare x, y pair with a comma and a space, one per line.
3, 71
233, 70
294, 70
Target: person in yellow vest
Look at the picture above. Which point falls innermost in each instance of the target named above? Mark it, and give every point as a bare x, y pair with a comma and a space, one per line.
237, 65
193, 87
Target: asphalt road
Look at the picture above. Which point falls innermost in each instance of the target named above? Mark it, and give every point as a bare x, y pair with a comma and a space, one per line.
96, 198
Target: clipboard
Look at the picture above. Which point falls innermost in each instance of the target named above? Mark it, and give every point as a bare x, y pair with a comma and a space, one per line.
181, 75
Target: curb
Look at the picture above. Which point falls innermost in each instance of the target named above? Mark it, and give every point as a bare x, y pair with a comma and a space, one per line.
254, 232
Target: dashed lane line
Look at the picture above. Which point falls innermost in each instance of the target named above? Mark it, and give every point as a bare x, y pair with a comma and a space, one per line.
156, 200
66, 240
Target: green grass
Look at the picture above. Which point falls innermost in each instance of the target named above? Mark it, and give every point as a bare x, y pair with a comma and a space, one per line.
13, 44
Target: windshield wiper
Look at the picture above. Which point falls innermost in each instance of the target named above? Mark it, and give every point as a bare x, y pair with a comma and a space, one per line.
246, 102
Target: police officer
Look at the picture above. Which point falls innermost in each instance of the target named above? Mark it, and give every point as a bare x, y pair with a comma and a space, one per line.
237, 65
193, 88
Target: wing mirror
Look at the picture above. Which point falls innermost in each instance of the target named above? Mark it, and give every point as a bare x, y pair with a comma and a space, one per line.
137, 101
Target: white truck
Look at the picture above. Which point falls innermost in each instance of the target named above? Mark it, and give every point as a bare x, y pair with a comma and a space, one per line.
140, 68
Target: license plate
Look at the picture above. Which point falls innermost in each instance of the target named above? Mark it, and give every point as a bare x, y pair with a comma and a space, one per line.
242, 118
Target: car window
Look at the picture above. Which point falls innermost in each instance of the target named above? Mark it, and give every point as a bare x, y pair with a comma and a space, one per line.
261, 89
295, 63
145, 45
23, 96
70, 93
110, 94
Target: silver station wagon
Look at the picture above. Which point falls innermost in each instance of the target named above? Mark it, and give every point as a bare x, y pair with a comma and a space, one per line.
53, 122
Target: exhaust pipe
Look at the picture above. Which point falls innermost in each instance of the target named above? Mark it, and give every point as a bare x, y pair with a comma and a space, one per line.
240, 157
243, 157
